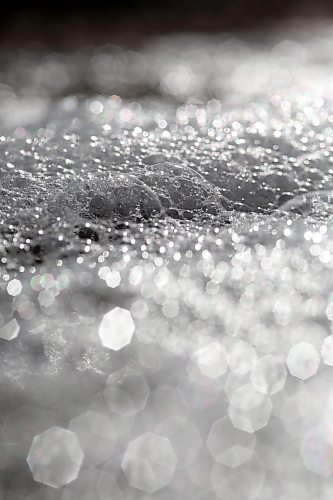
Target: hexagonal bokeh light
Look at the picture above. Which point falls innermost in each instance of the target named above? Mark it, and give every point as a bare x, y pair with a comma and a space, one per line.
317, 449
228, 445
116, 329
10, 331
149, 462
94, 432
126, 391
55, 457
212, 360
303, 360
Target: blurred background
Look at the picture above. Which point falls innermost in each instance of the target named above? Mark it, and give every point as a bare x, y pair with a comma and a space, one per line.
68, 24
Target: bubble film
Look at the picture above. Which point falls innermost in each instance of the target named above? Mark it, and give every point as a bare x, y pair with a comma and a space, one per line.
166, 245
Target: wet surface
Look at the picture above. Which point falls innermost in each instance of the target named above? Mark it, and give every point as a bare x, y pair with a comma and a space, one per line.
166, 271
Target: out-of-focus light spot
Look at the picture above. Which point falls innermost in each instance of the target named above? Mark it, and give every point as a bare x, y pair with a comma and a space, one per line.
303, 360
55, 457
10, 330
116, 329
149, 462
14, 287
212, 360
327, 350
269, 375
96, 107
317, 449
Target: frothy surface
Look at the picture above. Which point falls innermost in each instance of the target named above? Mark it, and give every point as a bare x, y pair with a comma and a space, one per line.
167, 262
